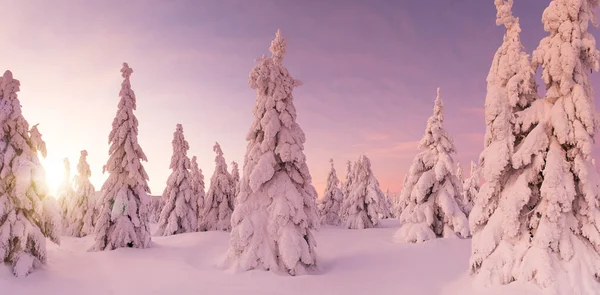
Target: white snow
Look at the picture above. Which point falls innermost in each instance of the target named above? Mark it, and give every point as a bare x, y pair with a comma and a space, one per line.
350, 263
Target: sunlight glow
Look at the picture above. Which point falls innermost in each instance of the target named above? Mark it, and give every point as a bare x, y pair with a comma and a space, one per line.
54, 173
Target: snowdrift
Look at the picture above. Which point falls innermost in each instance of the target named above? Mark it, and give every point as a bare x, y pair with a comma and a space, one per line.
350, 262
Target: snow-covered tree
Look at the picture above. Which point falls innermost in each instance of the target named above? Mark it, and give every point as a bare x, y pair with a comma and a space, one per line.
470, 189
329, 206
395, 206
459, 172
432, 191
180, 212
123, 219
80, 216
541, 222
155, 206
218, 203
235, 176
65, 193
198, 189
28, 215
389, 204
365, 204
346, 184
276, 214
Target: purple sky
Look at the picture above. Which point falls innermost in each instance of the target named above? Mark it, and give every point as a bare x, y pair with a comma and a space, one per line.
370, 70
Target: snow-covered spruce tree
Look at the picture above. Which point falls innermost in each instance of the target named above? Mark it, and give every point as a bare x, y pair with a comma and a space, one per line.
218, 203
470, 189
346, 190
123, 218
542, 224
395, 206
155, 206
274, 220
180, 212
365, 204
198, 189
329, 206
65, 193
235, 176
459, 172
432, 191
80, 216
500, 217
389, 204
28, 215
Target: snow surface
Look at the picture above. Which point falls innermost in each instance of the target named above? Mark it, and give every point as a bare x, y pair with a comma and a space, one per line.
185, 264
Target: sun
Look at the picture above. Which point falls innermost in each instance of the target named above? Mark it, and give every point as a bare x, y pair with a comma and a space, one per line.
54, 173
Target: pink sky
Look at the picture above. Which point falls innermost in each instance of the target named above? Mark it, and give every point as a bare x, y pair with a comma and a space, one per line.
370, 70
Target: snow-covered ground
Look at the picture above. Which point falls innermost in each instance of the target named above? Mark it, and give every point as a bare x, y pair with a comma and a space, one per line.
351, 262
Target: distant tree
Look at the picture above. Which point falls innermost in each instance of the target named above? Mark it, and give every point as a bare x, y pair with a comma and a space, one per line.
180, 212
123, 219
329, 206
65, 193
346, 190
235, 176
366, 202
197, 179
28, 215
80, 217
218, 203
155, 205
432, 191
470, 189
277, 202
388, 204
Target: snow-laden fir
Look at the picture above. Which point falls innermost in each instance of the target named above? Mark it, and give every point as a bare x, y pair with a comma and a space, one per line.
218, 202
330, 204
28, 215
498, 219
123, 218
274, 220
365, 204
345, 186
155, 206
470, 189
180, 211
198, 188
536, 217
82, 213
235, 176
388, 204
432, 192
65, 193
